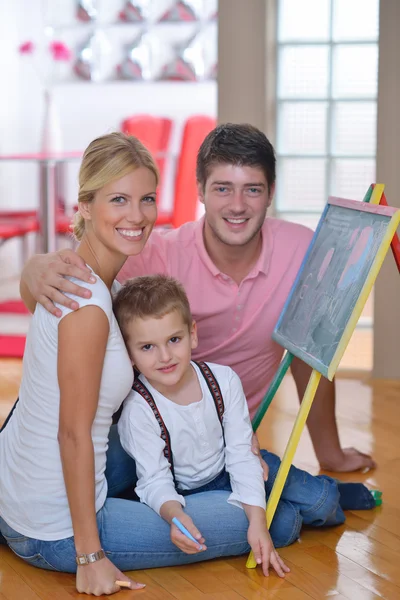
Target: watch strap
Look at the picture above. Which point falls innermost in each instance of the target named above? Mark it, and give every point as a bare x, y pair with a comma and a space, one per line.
87, 559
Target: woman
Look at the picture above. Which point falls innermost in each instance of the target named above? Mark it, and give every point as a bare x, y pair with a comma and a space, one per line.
54, 509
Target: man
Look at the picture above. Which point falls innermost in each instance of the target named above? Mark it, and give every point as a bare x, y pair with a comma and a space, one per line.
237, 267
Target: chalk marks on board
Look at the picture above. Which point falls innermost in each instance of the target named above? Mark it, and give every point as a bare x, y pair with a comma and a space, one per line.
330, 281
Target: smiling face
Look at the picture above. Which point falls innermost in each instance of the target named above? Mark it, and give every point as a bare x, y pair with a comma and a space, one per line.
161, 348
122, 213
236, 199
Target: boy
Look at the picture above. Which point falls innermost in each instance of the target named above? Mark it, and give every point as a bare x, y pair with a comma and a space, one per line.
188, 428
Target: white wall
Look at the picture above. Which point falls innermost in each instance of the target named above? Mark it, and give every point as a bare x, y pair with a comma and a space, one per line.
85, 110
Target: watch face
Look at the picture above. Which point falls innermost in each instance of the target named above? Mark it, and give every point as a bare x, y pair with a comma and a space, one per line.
82, 560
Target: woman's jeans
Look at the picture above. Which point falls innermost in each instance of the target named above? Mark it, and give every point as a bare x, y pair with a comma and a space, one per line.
135, 537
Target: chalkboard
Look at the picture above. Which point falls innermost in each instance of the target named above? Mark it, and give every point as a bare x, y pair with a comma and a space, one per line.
334, 281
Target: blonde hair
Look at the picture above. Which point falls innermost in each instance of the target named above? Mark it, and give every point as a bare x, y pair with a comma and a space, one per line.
106, 159
150, 296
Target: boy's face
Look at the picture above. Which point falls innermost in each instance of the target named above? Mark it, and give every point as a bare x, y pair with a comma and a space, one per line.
161, 348
236, 199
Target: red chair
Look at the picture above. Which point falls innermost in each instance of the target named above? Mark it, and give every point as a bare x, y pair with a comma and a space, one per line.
18, 227
64, 223
185, 195
153, 132
17, 214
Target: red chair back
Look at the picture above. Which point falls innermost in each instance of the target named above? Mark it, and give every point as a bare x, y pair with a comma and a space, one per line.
186, 196
153, 132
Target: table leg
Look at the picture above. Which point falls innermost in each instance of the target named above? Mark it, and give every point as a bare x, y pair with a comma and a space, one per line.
48, 206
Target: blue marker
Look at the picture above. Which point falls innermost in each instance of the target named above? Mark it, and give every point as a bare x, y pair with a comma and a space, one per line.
183, 529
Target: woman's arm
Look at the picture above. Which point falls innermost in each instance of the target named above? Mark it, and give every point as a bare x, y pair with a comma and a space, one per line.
82, 340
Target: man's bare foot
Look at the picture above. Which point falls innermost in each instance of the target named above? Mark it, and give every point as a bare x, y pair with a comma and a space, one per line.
350, 460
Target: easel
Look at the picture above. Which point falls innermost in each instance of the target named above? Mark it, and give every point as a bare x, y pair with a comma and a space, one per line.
374, 196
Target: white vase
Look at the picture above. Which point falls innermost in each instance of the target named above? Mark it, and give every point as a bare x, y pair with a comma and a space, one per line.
51, 128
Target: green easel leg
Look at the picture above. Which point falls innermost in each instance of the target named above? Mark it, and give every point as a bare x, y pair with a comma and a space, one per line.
368, 194
275, 383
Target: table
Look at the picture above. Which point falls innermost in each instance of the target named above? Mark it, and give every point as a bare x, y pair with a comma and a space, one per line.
51, 168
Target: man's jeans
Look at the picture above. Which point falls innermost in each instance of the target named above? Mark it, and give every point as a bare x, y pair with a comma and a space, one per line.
305, 499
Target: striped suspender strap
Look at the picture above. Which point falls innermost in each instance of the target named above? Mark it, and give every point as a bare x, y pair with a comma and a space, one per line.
216, 394
214, 388
141, 389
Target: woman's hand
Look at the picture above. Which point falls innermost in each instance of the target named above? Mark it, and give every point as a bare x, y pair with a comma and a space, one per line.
99, 579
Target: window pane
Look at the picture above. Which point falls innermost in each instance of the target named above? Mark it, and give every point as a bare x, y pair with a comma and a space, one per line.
295, 23
354, 128
352, 177
306, 219
355, 20
301, 184
302, 128
355, 71
303, 72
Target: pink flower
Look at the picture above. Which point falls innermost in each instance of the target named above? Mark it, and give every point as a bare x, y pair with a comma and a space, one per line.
26, 48
59, 51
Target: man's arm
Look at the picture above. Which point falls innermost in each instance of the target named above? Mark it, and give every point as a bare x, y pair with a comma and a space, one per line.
323, 428
44, 280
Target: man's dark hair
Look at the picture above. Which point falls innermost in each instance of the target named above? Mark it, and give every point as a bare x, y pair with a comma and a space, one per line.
236, 144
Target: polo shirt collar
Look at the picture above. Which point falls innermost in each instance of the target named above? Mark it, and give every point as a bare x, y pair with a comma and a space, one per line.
262, 264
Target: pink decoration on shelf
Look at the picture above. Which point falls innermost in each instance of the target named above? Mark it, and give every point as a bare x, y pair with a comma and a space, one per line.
91, 61
86, 10
136, 63
26, 48
60, 51
182, 10
213, 72
187, 63
133, 11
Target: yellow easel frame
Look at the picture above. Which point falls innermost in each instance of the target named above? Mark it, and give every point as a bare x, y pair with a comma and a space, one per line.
315, 377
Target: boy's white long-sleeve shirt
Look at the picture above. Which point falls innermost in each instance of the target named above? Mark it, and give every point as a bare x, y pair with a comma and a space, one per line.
197, 443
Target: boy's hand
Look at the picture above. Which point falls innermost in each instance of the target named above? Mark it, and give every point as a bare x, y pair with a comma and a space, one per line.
184, 543
255, 448
263, 549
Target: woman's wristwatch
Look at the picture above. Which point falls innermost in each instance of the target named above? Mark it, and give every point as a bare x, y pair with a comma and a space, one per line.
87, 559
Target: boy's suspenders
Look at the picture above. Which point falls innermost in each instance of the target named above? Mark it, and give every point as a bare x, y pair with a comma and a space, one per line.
216, 394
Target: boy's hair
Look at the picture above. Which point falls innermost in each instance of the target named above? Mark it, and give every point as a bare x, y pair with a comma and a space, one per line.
150, 296
236, 144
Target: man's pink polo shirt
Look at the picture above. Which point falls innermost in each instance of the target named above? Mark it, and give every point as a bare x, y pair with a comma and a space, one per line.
234, 322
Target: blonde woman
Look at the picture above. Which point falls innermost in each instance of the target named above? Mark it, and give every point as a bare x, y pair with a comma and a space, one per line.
54, 510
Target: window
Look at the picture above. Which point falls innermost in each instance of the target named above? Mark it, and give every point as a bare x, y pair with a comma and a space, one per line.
327, 72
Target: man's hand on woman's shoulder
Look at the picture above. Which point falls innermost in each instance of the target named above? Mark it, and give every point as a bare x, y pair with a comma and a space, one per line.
44, 280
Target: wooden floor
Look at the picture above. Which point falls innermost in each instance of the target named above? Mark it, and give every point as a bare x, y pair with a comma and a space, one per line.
357, 561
